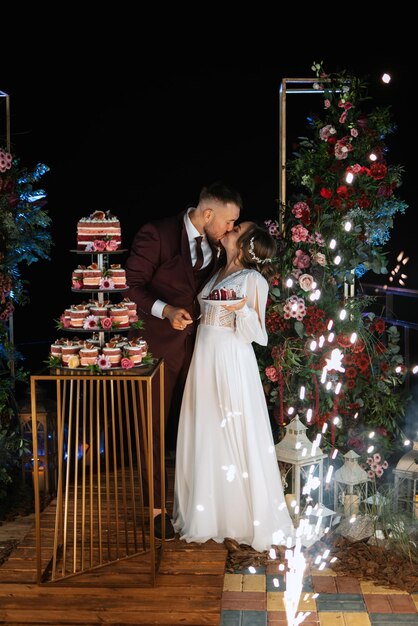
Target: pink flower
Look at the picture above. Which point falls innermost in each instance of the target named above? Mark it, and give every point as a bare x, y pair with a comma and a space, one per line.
302, 212
342, 148
273, 228
354, 132
302, 260
299, 233
272, 374
5, 160
103, 362
76, 284
99, 245
326, 132
65, 321
127, 363
111, 245
327, 104
90, 322
107, 283
306, 282
106, 323
377, 458
320, 259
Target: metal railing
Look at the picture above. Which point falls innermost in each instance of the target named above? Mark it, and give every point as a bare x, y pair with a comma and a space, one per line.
389, 304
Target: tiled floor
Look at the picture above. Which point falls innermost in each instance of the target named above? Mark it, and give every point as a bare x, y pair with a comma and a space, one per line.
326, 600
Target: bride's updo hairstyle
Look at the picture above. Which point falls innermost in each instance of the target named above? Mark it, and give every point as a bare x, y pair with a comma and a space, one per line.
258, 250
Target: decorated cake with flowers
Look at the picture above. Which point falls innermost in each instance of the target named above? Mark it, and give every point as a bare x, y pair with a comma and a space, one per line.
99, 232
104, 347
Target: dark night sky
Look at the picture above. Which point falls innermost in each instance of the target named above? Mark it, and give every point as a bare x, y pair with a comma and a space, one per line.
142, 143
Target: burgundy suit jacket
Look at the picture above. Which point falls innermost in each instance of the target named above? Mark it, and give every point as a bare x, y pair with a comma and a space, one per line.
159, 267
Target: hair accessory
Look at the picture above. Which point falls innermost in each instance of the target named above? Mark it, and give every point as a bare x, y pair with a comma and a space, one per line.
253, 256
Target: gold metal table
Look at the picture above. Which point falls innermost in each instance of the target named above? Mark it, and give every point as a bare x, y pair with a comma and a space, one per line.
105, 434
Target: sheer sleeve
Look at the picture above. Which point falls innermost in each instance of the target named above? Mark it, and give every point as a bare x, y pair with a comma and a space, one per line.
250, 320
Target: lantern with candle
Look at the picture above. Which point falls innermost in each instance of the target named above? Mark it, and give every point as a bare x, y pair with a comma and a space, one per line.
350, 485
304, 460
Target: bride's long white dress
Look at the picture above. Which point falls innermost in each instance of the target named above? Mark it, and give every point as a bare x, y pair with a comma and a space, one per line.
227, 480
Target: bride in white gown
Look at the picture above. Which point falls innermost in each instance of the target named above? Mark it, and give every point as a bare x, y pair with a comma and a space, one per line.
227, 480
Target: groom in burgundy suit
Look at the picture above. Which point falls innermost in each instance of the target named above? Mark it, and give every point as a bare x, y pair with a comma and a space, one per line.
169, 262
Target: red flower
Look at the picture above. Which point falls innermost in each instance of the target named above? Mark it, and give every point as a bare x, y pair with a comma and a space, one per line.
378, 171
351, 372
326, 193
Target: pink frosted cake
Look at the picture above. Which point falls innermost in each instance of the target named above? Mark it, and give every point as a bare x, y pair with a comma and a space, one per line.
135, 350
222, 294
99, 309
88, 354
99, 231
118, 275
119, 315
56, 348
92, 275
78, 314
113, 352
77, 277
132, 309
69, 349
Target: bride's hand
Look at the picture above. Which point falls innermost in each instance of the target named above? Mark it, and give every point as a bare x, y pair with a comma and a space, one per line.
236, 307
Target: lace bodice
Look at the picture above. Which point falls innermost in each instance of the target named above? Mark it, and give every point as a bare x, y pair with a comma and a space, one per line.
247, 322
213, 313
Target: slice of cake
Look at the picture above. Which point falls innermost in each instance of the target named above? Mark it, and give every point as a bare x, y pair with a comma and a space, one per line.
99, 232
222, 294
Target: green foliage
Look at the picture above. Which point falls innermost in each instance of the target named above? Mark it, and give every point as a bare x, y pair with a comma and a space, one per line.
24, 239
342, 374
12, 447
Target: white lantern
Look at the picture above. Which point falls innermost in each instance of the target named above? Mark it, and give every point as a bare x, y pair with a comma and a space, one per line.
350, 485
305, 460
406, 482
